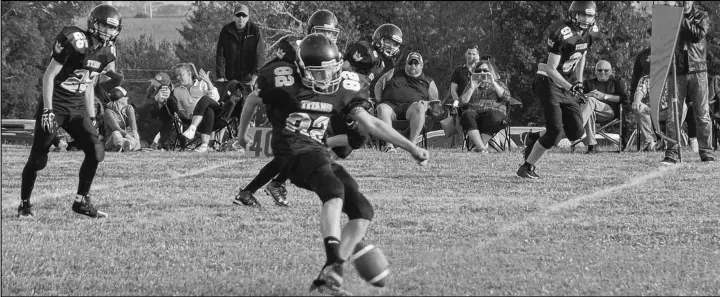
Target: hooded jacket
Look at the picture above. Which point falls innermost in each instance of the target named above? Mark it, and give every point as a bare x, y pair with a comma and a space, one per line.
691, 48
239, 53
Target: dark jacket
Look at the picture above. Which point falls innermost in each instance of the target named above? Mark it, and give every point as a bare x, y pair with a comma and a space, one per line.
239, 53
691, 48
613, 86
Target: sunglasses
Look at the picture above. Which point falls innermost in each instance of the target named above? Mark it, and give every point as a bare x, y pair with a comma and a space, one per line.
482, 70
414, 62
241, 15
603, 70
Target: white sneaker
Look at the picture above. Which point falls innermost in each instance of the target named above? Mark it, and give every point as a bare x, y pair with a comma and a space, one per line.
694, 145
201, 149
190, 132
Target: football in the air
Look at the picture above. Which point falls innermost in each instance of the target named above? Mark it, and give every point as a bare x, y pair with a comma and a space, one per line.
371, 264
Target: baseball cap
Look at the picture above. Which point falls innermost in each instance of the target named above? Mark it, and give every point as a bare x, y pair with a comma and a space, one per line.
163, 78
242, 9
414, 56
117, 93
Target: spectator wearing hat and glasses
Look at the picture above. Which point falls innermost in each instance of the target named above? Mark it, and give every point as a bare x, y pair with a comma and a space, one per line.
240, 50
404, 95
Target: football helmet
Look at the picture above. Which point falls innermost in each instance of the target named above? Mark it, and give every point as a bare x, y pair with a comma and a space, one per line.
382, 37
324, 21
586, 8
110, 17
321, 63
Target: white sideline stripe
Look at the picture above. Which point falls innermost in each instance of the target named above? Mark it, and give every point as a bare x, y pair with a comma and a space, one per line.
380, 276
174, 176
362, 252
570, 203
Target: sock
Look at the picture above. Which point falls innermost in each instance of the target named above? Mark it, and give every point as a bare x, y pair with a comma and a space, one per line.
332, 246
537, 152
79, 198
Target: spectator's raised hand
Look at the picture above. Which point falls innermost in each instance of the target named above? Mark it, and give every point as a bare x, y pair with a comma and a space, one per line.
205, 76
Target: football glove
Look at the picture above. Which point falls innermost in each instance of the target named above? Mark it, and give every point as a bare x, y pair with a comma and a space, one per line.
47, 121
577, 91
94, 122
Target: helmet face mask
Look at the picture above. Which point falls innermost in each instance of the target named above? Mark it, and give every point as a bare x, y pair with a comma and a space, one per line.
105, 23
330, 32
582, 14
324, 21
321, 63
388, 39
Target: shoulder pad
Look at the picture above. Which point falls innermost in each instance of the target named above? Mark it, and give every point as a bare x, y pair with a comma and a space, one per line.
75, 38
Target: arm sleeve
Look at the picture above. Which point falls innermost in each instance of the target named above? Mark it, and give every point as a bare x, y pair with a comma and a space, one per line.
694, 29
220, 56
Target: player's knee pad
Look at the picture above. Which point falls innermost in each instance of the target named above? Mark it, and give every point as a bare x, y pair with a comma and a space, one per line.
574, 133
342, 151
357, 206
95, 151
37, 161
551, 138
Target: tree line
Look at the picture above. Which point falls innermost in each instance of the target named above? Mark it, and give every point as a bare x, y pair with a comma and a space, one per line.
512, 32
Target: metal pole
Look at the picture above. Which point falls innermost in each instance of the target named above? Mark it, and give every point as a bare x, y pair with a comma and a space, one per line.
676, 108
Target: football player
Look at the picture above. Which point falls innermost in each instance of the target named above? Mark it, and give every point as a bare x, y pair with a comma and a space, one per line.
373, 59
558, 83
343, 137
326, 90
281, 72
78, 56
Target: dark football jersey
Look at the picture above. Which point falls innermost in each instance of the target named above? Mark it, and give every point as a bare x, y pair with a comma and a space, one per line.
82, 62
571, 47
307, 124
367, 61
281, 75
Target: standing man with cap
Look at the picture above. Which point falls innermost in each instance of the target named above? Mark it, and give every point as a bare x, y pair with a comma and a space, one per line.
404, 95
240, 50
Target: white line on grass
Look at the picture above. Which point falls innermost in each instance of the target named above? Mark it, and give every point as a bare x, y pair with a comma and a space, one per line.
568, 204
15, 202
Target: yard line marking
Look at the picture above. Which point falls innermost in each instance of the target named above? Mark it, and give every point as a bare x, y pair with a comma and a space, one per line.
568, 204
174, 176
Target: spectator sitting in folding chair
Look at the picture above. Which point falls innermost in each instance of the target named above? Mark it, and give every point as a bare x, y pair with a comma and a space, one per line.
482, 106
186, 100
121, 125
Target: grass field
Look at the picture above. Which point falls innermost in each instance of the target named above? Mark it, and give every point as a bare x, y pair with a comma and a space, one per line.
605, 224
159, 28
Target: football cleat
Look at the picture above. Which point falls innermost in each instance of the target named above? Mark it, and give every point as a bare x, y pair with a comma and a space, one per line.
527, 171
329, 281
86, 207
246, 198
25, 210
278, 192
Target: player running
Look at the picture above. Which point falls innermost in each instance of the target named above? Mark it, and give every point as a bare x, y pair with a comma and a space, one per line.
558, 83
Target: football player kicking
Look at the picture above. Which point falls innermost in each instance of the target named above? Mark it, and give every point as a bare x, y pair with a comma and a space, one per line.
344, 138
558, 84
68, 98
298, 145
